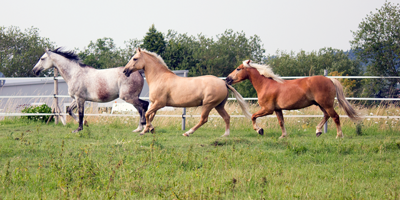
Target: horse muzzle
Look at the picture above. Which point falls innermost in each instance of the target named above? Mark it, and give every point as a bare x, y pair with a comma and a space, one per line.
36, 72
229, 80
127, 72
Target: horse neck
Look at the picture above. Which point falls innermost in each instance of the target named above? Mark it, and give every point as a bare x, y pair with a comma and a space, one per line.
65, 67
153, 70
259, 81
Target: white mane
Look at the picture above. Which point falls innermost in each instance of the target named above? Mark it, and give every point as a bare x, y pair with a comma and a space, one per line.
264, 70
158, 57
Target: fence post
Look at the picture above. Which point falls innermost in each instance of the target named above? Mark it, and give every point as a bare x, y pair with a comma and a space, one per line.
56, 117
326, 123
184, 110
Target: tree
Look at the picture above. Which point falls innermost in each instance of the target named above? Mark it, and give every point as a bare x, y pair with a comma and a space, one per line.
377, 42
179, 50
20, 51
103, 54
222, 56
130, 48
154, 41
314, 63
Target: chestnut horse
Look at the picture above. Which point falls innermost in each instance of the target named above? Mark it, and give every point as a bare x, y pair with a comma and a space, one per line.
275, 94
168, 89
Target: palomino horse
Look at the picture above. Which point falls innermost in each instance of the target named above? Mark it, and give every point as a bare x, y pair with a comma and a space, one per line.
275, 94
88, 84
168, 89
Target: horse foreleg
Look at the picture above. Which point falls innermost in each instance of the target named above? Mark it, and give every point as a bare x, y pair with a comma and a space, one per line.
81, 109
203, 119
321, 124
221, 110
149, 118
281, 121
262, 112
70, 109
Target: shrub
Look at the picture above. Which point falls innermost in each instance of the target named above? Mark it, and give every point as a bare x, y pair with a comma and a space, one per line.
44, 108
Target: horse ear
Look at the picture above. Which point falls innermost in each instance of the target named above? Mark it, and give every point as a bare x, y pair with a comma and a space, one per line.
48, 51
139, 50
248, 62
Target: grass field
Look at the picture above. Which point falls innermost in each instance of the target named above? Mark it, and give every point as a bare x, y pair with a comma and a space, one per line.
106, 160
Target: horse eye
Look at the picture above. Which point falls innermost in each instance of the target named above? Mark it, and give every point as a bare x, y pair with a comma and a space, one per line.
134, 59
42, 58
238, 69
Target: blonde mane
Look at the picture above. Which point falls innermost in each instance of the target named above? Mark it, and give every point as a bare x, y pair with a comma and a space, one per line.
264, 70
156, 56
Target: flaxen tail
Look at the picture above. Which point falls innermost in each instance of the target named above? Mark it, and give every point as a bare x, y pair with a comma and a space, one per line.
343, 103
241, 101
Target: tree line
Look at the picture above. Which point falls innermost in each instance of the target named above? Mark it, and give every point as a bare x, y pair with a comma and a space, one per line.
376, 45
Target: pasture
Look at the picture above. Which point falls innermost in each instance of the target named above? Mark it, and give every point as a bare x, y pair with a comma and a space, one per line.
106, 160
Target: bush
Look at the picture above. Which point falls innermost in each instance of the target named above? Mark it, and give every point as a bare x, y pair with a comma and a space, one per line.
44, 108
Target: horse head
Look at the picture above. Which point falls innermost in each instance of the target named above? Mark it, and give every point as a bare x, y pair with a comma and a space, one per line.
44, 63
238, 75
135, 63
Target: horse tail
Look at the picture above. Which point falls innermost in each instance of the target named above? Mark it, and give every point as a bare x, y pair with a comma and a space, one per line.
343, 103
241, 101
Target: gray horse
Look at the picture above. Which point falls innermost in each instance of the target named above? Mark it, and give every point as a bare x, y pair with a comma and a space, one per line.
88, 84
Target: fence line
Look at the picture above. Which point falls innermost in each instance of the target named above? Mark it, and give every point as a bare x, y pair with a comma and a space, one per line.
183, 116
283, 77
179, 116
230, 99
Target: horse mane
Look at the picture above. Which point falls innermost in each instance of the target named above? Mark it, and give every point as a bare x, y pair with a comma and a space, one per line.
157, 57
70, 55
264, 70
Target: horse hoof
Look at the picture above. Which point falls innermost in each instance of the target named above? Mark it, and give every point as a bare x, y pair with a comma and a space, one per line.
136, 131
260, 131
77, 130
152, 130
141, 133
282, 137
340, 137
86, 123
224, 135
185, 134
318, 134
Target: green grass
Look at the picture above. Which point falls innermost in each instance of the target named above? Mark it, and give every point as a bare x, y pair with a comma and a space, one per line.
107, 160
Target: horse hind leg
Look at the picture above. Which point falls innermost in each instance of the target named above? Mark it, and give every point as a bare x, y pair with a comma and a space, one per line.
203, 119
281, 121
332, 113
141, 106
81, 110
321, 124
221, 110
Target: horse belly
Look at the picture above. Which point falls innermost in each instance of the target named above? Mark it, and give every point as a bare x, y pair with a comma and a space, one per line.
106, 89
105, 96
288, 102
184, 101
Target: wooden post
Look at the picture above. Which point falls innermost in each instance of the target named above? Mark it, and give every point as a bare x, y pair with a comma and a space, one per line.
55, 102
184, 111
326, 123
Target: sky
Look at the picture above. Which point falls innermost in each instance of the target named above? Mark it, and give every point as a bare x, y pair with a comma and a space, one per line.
285, 25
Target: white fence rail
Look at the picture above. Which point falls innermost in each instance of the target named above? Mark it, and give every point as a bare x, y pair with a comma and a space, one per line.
183, 116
